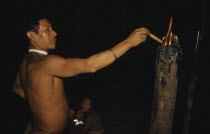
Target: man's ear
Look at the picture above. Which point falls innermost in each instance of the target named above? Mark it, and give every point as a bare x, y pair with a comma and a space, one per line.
31, 35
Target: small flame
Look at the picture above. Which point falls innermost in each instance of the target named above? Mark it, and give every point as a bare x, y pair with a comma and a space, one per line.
167, 40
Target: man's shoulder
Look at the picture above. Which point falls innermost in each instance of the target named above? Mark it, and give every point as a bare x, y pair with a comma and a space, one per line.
51, 59
46, 62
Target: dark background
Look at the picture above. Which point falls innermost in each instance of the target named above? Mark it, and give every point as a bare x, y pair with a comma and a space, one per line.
122, 93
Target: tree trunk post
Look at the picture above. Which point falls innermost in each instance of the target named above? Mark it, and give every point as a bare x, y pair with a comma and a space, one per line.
166, 84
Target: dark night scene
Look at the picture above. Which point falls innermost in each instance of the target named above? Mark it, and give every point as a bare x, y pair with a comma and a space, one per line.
105, 67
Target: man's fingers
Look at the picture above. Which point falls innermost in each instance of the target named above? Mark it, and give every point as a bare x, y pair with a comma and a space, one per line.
144, 30
143, 36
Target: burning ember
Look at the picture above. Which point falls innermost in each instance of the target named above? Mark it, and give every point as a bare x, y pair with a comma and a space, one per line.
168, 39
170, 47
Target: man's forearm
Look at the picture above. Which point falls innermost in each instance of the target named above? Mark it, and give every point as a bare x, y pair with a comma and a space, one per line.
105, 58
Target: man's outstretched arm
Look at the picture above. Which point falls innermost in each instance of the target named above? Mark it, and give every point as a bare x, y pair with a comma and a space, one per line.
61, 67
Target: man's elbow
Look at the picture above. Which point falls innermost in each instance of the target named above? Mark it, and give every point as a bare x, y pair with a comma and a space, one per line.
92, 69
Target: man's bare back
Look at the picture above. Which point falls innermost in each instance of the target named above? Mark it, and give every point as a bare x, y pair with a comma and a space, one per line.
39, 78
45, 94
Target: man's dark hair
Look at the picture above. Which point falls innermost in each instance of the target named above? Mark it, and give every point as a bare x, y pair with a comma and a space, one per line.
30, 23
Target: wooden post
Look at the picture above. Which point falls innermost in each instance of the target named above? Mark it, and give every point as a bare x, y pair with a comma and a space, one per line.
166, 83
189, 102
191, 88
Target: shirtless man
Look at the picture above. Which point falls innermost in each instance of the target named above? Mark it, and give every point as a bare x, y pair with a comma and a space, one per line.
39, 77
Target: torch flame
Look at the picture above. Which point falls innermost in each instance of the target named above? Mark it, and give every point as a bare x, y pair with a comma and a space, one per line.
168, 38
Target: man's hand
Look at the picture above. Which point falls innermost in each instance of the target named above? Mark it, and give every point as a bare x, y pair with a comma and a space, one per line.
138, 36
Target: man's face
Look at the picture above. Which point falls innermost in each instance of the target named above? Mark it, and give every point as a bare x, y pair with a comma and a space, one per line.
86, 105
45, 39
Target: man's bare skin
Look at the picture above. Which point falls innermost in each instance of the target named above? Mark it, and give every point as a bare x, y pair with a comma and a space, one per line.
39, 78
